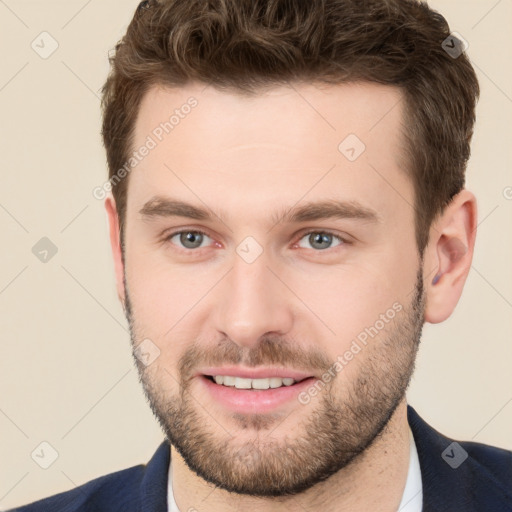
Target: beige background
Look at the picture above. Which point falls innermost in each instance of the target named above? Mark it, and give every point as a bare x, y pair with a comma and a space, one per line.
67, 377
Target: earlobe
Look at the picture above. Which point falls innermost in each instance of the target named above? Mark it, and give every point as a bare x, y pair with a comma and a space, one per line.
450, 252
115, 243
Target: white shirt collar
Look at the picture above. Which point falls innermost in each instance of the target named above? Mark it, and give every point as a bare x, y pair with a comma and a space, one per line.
412, 497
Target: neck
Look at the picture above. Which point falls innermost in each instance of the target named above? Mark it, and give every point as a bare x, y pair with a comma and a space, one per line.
374, 481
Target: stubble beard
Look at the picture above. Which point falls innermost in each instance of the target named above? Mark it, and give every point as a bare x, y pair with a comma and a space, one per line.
328, 433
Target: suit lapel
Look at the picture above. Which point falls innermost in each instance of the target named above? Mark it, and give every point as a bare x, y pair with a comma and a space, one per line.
153, 489
445, 488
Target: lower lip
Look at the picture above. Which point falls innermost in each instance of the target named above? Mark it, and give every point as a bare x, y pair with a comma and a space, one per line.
257, 400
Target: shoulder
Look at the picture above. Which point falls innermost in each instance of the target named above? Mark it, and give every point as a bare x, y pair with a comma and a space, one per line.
461, 475
122, 491
491, 463
112, 492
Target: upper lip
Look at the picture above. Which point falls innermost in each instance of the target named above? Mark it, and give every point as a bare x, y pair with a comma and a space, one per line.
255, 373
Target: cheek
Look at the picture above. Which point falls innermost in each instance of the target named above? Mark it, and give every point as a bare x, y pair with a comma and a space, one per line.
153, 293
164, 295
347, 299
161, 379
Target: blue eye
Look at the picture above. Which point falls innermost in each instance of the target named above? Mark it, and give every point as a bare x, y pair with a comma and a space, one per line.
193, 239
190, 239
322, 240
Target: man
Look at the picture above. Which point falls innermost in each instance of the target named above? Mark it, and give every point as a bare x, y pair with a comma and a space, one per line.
287, 210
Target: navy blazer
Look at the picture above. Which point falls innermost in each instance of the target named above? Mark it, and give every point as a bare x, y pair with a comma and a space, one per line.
459, 477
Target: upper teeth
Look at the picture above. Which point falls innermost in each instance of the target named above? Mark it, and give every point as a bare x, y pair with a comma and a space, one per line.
241, 383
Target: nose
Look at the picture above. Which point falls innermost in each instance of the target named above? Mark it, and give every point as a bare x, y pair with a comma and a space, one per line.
252, 302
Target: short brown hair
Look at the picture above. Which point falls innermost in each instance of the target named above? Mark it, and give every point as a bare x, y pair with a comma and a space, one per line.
247, 45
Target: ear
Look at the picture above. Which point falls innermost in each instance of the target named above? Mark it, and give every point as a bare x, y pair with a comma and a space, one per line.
448, 256
115, 242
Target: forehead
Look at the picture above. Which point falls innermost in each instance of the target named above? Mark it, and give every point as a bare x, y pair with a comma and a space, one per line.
278, 145
311, 113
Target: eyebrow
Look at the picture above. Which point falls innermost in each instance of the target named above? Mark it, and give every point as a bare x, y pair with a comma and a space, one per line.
160, 206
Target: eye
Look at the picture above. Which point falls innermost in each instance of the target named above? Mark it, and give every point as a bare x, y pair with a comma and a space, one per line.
322, 240
190, 239
193, 239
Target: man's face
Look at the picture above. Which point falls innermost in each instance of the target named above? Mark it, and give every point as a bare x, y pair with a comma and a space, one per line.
253, 286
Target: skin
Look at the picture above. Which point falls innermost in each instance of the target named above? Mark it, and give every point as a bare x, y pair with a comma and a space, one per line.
298, 305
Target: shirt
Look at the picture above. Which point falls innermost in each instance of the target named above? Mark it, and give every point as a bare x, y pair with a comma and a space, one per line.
412, 497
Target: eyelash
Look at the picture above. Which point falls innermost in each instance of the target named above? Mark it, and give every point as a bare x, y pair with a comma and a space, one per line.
344, 241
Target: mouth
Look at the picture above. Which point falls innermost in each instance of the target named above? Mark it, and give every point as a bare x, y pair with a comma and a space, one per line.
254, 395
261, 384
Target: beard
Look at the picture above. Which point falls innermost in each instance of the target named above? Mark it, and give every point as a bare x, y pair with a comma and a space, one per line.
339, 425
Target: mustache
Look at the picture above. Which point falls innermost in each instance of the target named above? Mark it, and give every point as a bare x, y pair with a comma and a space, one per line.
271, 351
